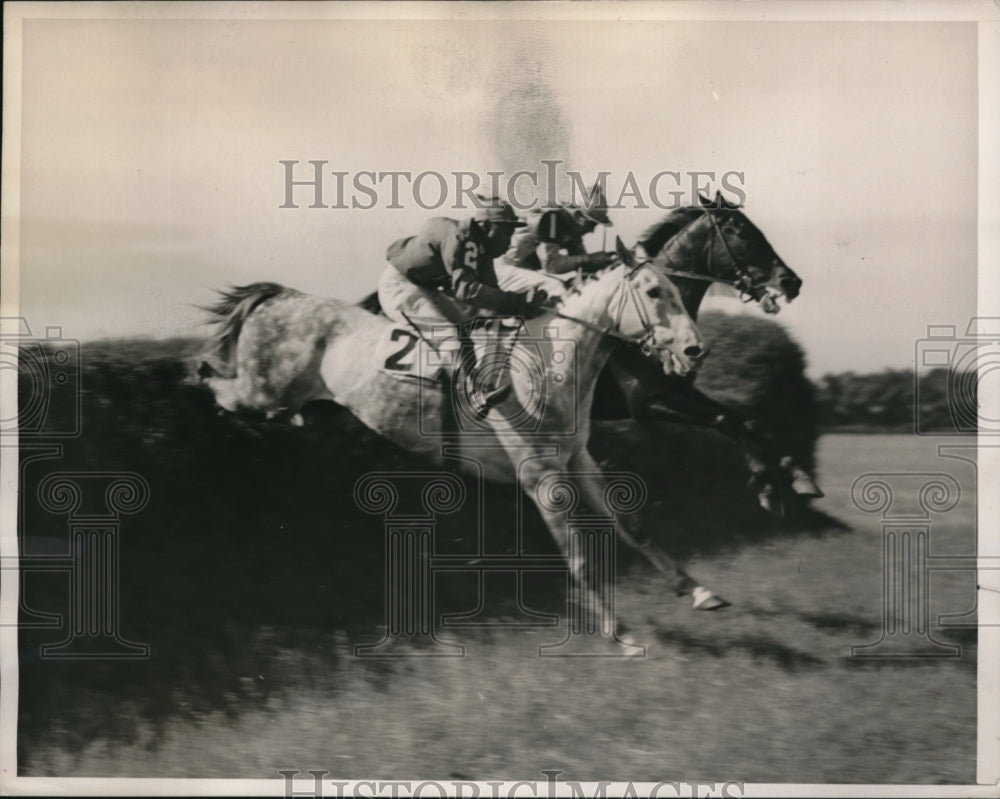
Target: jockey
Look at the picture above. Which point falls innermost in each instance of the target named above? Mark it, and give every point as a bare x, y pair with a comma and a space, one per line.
445, 274
536, 253
563, 251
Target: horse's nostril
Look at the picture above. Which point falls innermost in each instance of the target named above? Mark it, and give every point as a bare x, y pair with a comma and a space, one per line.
694, 352
790, 285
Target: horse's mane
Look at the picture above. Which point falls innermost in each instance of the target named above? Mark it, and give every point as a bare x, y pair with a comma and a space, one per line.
654, 237
229, 313
576, 282
579, 284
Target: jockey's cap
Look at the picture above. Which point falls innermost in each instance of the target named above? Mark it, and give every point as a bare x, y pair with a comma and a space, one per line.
595, 207
498, 212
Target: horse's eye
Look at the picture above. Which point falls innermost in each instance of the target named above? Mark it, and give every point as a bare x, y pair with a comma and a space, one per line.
653, 293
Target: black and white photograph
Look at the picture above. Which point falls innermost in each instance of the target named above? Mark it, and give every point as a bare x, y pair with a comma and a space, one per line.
500, 399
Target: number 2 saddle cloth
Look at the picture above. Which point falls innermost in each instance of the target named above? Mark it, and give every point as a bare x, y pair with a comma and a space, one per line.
433, 354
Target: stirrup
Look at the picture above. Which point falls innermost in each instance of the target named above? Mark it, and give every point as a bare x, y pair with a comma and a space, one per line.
703, 599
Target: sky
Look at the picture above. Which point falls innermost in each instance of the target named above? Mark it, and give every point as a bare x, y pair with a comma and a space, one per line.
150, 169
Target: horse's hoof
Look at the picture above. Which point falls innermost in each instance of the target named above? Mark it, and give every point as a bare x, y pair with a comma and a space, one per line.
771, 502
799, 480
803, 485
703, 599
628, 649
626, 646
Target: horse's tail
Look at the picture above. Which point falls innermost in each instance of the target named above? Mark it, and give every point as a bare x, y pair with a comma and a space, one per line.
229, 313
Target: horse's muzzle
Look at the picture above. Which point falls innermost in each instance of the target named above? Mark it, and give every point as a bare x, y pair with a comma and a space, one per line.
790, 286
785, 281
684, 362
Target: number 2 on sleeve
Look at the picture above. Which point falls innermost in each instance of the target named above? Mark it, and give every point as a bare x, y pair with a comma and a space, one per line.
471, 260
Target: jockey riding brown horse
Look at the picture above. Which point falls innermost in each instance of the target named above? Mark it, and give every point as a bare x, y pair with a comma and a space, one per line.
696, 246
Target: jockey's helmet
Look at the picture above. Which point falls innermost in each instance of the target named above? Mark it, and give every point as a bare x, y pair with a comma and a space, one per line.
497, 212
595, 207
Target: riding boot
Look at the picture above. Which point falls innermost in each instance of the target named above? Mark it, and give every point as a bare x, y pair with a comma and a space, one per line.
768, 495
483, 392
486, 383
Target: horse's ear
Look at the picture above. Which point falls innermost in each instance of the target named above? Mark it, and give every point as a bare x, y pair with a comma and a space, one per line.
718, 202
626, 256
722, 202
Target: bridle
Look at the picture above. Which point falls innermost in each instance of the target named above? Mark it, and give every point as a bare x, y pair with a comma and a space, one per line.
628, 292
743, 281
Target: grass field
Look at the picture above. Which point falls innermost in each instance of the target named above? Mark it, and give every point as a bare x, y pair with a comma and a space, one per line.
252, 574
764, 691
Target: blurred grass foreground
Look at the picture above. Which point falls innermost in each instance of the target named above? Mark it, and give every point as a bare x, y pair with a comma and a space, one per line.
251, 569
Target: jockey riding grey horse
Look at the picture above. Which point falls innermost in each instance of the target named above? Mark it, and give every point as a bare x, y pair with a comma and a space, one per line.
444, 275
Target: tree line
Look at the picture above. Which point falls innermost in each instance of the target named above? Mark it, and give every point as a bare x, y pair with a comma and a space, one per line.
893, 401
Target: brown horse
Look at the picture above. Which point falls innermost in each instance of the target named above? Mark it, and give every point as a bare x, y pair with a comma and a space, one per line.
696, 246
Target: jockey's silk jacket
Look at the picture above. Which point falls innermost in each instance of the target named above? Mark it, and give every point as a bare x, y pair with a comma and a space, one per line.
453, 256
528, 251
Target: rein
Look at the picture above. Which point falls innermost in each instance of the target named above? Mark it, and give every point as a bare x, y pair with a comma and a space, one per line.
743, 282
628, 291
